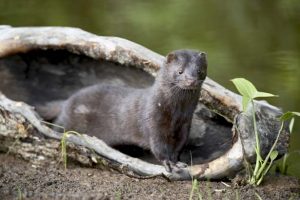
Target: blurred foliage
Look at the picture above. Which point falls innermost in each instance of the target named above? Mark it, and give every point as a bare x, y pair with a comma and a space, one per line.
259, 40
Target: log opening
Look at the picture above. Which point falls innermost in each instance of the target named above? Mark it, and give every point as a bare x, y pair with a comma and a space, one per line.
41, 76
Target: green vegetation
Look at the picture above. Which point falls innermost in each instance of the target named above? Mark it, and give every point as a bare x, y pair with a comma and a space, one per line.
118, 195
282, 168
249, 93
20, 195
195, 188
208, 191
287, 116
258, 196
63, 141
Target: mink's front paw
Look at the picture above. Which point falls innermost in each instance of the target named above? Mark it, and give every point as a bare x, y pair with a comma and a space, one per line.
174, 167
181, 165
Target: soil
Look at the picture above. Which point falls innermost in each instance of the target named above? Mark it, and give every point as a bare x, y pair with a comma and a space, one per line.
20, 180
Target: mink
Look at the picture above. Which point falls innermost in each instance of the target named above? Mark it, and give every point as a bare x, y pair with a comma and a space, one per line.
156, 118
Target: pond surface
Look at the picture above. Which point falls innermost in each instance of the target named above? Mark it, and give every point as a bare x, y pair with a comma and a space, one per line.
257, 40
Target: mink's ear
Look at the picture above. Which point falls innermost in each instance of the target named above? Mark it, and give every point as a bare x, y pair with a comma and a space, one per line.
203, 60
202, 54
170, 57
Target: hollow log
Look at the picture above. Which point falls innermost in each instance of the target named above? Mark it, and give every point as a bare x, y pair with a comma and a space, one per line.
22, 131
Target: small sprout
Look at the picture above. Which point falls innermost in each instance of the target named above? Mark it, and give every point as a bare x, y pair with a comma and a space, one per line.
249, 93
287, 116
64, 145
20, 195
195, 187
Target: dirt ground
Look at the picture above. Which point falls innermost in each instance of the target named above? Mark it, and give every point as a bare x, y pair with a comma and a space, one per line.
20, 180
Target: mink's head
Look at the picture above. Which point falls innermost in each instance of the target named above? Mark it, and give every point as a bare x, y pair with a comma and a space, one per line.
185, 69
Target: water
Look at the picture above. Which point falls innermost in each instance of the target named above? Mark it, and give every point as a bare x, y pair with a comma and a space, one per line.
258, 40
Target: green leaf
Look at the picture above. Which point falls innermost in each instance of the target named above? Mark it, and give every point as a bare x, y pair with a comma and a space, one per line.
264, 94
245, 102
288, 115
273, 155
245, 87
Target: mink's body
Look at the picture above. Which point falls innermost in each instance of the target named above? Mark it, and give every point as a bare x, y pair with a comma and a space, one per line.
156, 118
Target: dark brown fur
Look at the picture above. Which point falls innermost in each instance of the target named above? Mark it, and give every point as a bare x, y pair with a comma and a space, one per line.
156, 118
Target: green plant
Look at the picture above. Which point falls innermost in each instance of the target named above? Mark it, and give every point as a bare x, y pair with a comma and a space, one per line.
287, 116
195, 187
249, 93
118, 195
63, 141
258, 196
282, 167
20, 195
208, 190
64, 145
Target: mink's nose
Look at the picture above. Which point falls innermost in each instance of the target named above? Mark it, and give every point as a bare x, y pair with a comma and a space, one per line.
191, 83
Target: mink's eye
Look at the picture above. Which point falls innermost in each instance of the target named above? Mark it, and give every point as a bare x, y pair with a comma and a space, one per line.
180, 71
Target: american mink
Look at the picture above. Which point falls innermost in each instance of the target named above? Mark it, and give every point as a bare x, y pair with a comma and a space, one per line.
156, 118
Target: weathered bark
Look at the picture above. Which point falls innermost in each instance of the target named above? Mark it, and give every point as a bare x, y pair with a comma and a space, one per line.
215, 97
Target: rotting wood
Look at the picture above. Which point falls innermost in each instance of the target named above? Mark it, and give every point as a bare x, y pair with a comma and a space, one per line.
124, 52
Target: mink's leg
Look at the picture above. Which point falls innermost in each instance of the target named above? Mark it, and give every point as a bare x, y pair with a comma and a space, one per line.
167, 153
